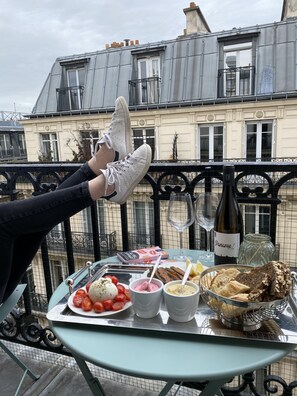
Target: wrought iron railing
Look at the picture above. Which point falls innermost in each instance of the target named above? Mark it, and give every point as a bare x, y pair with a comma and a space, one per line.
236, 81
70, 98
83, 241
269, 184
144, 91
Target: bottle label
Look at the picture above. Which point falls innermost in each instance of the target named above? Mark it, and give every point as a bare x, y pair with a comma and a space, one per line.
226, 245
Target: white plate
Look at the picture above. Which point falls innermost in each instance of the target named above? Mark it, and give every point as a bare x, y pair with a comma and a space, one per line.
81, 312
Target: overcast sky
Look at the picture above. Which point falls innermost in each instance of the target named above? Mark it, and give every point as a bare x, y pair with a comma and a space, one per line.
33, 33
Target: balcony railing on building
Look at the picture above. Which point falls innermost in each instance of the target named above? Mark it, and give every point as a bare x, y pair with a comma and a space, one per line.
236, 81
144, 91
14, 153
69, 98
83, 242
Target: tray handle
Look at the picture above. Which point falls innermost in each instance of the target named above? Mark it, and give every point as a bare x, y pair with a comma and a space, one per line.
70, 281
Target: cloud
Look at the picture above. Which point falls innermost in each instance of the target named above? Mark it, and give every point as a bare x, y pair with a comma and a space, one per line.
34, 33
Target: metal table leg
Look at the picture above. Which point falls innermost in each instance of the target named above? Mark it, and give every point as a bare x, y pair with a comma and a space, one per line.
93, 382
166, 388
214, 388
211, 389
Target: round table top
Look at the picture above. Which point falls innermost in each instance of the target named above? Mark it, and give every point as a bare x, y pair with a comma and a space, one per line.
164, 358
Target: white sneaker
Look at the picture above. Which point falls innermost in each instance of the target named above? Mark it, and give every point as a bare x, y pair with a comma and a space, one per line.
127, 173
118, 136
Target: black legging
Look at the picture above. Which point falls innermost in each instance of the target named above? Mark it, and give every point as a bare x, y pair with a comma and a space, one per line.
24, 224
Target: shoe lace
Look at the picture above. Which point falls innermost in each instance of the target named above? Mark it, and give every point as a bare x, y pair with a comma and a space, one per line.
114, 169
105, 137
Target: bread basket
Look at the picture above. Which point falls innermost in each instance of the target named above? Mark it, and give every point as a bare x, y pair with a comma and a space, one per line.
245, 316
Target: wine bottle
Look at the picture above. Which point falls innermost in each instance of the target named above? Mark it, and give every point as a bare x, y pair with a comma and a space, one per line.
228, 227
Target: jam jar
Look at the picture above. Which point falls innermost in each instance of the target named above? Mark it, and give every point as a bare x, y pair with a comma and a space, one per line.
256, 250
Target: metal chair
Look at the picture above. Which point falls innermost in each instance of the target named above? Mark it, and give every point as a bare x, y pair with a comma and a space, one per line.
5, 309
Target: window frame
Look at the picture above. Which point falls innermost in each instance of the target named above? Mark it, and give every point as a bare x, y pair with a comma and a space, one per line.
147, 86
145, 220
235, 73
75, 91
52, 143
211, 135
243, 41
257, 221
259, 136
145, 139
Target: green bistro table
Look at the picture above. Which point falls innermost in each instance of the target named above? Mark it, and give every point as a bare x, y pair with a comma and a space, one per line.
174, 359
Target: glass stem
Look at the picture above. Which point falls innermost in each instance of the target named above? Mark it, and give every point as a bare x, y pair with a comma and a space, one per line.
181, 240
208, 241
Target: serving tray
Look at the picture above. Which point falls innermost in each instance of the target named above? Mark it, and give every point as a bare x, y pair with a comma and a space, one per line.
205, 323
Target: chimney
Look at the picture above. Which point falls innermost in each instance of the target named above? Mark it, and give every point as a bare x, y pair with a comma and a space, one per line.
289, 10
195, 21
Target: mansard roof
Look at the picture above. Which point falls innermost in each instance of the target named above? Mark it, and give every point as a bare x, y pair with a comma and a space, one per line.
189, 68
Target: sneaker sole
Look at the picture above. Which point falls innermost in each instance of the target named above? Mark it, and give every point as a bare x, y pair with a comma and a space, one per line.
137, 180
122, 102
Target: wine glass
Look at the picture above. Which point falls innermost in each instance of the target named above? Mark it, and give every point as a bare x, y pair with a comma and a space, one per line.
206, 207
180, 215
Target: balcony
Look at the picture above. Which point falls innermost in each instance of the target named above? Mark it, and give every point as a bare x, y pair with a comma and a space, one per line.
236, 81
272, 185
144, 91
69, 98
13, 154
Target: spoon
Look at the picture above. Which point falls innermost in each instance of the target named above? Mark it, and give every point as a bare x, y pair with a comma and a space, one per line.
146, 284
154, 271
185, 278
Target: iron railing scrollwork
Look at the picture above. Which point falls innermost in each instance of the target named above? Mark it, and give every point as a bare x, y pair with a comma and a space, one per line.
26, 329
256, 184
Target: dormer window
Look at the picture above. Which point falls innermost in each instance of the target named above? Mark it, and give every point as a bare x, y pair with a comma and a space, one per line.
70, 94
236, 72
148, 78
75, 85
146, 83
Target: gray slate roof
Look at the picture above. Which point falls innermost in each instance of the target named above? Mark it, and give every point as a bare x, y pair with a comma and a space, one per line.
189, 68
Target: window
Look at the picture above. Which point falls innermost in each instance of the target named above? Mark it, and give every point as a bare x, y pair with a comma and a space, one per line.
58, 272
87, 218
259, 141
30, 279
49, 147
21, 143
237, 67
71, 91
75, 84
87, 222
141, 136
88, 140
148, 76
256, 219
143, 213
210, 143
5, 145
145, 85
237, 60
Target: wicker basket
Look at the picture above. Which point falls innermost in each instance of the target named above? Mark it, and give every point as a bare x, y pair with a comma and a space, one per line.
246, 316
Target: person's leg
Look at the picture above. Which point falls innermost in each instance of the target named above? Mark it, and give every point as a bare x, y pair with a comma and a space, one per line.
20, 220
24, 223
115, 144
